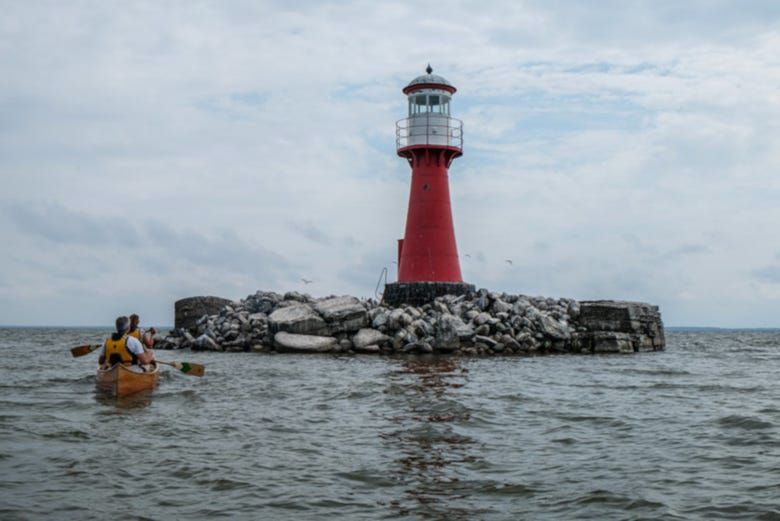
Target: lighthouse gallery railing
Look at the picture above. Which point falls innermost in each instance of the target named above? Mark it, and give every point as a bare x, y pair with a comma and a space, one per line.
429, 129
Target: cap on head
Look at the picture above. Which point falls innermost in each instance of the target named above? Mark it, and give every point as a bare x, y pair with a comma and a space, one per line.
122, 324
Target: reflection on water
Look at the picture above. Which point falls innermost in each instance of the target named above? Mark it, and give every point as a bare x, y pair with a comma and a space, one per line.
134, 401
432, 450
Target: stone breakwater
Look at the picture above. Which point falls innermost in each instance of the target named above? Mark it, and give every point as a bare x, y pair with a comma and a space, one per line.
478, 323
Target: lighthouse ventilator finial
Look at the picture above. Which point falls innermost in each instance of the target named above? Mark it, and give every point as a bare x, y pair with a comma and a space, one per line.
429, 69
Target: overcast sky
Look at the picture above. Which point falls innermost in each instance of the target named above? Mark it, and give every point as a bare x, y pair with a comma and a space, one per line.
154, 151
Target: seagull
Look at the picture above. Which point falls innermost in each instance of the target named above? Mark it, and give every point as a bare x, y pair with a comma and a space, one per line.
395, 262
508, 261
307, 281
468, 256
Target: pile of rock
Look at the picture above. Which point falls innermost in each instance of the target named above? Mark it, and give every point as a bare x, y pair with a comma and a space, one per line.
478, 323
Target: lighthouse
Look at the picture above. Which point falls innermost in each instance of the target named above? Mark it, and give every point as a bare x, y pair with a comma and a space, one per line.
430, 139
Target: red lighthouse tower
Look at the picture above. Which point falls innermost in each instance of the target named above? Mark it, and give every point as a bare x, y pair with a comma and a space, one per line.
429, 139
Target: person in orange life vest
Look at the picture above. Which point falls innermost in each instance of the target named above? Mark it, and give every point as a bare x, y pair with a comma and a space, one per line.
146, 338
122, 348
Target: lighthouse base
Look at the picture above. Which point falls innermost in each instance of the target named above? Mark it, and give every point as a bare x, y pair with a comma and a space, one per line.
419, 293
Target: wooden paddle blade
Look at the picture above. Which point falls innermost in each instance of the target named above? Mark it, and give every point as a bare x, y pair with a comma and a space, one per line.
192, 369
83, 350
186, 367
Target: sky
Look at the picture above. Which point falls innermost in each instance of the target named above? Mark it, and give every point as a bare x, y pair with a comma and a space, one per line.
151, 151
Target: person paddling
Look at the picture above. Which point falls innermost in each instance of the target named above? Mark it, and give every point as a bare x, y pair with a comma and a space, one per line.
147, 337
125, 349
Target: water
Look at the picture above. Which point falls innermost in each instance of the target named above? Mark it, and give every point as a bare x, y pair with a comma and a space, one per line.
690, 433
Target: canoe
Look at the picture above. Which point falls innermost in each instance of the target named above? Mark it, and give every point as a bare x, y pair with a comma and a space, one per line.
121, 381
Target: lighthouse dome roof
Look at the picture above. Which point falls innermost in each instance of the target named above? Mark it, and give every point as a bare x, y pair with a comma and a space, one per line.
429, 80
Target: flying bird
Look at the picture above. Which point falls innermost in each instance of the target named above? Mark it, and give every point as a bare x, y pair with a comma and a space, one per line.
508, 261
468, 256
307, 281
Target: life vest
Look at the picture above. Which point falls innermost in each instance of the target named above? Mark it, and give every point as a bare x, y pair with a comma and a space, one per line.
116, 351
136, 333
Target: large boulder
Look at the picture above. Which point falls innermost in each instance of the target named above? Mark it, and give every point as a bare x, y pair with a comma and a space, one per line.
298, 318
290, 342
188, 311
609, 342
448, 332
343, 313
367, 337
550, 327
639, 320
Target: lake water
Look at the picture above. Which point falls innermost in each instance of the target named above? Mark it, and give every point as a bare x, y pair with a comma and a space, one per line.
689, 433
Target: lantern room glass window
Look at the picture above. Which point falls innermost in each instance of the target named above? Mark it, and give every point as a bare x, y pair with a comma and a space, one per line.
429, 103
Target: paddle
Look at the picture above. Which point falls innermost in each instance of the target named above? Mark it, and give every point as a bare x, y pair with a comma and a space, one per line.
84, 350
187, 368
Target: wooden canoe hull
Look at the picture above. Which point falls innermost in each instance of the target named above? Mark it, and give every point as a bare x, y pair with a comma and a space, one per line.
121, 381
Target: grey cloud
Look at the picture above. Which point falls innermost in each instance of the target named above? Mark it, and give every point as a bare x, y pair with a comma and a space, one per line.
154, 244
316, 234
769, 274
226, 251
685, 250
312, 232
641, 22
56, 223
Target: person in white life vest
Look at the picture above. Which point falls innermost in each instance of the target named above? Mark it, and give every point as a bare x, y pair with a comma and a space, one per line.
122, 348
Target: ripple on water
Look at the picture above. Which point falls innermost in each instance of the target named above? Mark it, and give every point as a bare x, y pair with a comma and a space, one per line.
737, 421
691, 433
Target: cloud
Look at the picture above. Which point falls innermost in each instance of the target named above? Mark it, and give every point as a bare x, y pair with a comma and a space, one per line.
769, 274
610, 150
56, 223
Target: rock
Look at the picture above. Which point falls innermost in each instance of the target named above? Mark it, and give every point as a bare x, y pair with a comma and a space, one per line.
499, 306
380, 319
421, 328
639, 320
343, 313
484, 329
485, 340
295, 343
299, 319
482, 318
296, 296
609, 342
410, 347
187, 311
398, 318
366, 337
552, 328
206, 343
447, 333
373, 348
187, 338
